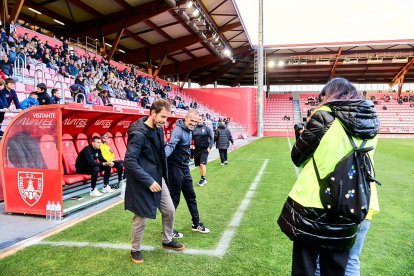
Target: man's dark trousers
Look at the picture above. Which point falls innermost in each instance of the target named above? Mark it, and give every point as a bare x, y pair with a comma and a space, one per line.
180, 180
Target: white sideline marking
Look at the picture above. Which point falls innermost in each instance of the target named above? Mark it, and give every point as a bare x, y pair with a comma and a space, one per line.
296, 168
221, 247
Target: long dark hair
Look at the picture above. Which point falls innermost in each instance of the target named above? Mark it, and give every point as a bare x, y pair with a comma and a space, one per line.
339, 89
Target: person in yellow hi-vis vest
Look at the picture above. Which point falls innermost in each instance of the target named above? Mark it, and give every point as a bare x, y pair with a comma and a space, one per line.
109, 155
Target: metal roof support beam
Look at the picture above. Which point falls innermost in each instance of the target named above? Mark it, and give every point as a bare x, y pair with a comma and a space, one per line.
16, 10
332, 74
399, 78
115, 43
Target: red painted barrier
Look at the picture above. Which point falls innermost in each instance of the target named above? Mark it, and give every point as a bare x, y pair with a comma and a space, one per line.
237, 103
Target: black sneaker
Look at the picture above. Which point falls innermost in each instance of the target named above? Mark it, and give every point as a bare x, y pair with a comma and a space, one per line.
174, 246
136, 257
200, 228
177, 234
202, 182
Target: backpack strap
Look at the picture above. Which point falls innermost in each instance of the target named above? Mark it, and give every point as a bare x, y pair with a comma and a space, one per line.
367, 163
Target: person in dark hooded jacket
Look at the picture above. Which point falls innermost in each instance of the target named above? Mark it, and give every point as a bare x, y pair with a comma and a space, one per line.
324, 138
147, 178
223, 138
178, 152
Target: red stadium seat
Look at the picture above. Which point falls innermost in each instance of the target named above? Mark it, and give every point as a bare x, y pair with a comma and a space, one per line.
120, 145
69, 156
49, 151
81, 142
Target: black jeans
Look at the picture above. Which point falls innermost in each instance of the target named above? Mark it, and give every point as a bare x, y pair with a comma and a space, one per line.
223, 155
119, 166
332, 261
180, 181
94, 171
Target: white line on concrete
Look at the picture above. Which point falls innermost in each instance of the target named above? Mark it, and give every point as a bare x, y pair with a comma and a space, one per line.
220, 249
296, 168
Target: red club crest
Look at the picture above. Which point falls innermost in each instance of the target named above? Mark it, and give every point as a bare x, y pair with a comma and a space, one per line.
30, 186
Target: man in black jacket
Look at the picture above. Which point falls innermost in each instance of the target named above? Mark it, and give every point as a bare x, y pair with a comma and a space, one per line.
147, 178
90, 161
203, 137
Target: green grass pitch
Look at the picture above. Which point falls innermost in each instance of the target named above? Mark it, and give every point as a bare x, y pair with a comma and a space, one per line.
258, 246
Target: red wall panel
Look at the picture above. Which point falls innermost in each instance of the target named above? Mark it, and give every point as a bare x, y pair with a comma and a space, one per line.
237, 103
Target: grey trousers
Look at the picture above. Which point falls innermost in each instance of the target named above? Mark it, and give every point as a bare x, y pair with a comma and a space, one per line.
168, 213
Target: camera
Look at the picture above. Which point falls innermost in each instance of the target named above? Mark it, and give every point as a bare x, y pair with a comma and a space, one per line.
298, 129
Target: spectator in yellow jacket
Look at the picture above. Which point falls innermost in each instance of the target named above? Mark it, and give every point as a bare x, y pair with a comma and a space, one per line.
108, 154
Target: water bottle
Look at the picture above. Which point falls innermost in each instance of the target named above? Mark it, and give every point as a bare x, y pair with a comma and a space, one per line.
58, 211
52, 211
48, 210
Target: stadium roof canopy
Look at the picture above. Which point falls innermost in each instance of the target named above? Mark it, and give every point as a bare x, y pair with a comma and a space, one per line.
206, 41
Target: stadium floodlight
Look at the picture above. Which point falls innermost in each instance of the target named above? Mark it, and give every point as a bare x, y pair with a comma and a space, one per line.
189, 4
196, 13
281, 63
271, 64
35, 11
184, 16
59, 22
227, 52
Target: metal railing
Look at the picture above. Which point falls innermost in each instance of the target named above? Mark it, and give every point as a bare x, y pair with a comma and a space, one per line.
19, 67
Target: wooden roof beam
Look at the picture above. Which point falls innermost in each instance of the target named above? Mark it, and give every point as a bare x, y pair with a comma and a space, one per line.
137, 38
16, 11
85, 7
48, 12
399, 78
124, 4
115, 43
129, 17
157, 50
333, 69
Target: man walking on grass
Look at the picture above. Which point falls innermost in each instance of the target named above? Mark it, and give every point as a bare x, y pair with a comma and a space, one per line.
203, 141
178, 153
147, 178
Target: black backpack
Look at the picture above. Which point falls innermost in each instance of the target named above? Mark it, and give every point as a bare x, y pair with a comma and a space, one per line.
346, 191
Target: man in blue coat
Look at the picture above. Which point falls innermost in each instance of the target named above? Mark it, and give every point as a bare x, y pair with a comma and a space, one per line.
147, 178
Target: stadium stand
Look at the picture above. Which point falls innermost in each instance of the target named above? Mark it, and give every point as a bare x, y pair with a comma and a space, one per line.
278, 115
